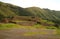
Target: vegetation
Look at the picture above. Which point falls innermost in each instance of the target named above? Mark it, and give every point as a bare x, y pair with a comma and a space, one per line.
47, 17
39, 29
27, 22
7, 10
8, 26
46, 14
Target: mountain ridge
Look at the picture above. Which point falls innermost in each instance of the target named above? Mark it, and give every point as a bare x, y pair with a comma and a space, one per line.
10, 10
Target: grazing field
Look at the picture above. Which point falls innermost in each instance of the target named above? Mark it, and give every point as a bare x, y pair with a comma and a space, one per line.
14, 31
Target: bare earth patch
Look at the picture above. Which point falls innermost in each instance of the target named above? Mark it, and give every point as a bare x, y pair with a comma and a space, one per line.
28, 34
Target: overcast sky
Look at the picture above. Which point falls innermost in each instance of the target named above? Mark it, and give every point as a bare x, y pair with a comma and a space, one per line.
51, 4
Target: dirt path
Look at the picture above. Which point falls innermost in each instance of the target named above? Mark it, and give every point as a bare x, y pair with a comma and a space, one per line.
19, 34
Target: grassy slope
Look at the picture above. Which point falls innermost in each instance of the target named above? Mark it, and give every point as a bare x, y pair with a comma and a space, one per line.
50, 15
7, 10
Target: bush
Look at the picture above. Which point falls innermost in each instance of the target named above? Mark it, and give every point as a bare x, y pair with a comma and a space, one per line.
8, 25
51, 27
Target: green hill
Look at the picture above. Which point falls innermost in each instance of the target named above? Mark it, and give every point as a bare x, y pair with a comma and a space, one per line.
9, 10
46, 14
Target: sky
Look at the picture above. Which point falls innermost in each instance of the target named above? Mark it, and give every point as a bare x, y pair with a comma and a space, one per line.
50, 4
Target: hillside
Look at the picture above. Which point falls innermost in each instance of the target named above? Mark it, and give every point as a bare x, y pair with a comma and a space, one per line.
46, 14
9, 10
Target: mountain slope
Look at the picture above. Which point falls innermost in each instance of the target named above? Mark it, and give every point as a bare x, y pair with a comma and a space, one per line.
5, 11
47, 14
9, 10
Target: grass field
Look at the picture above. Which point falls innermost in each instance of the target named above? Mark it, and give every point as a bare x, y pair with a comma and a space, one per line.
11, 26
15, 31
